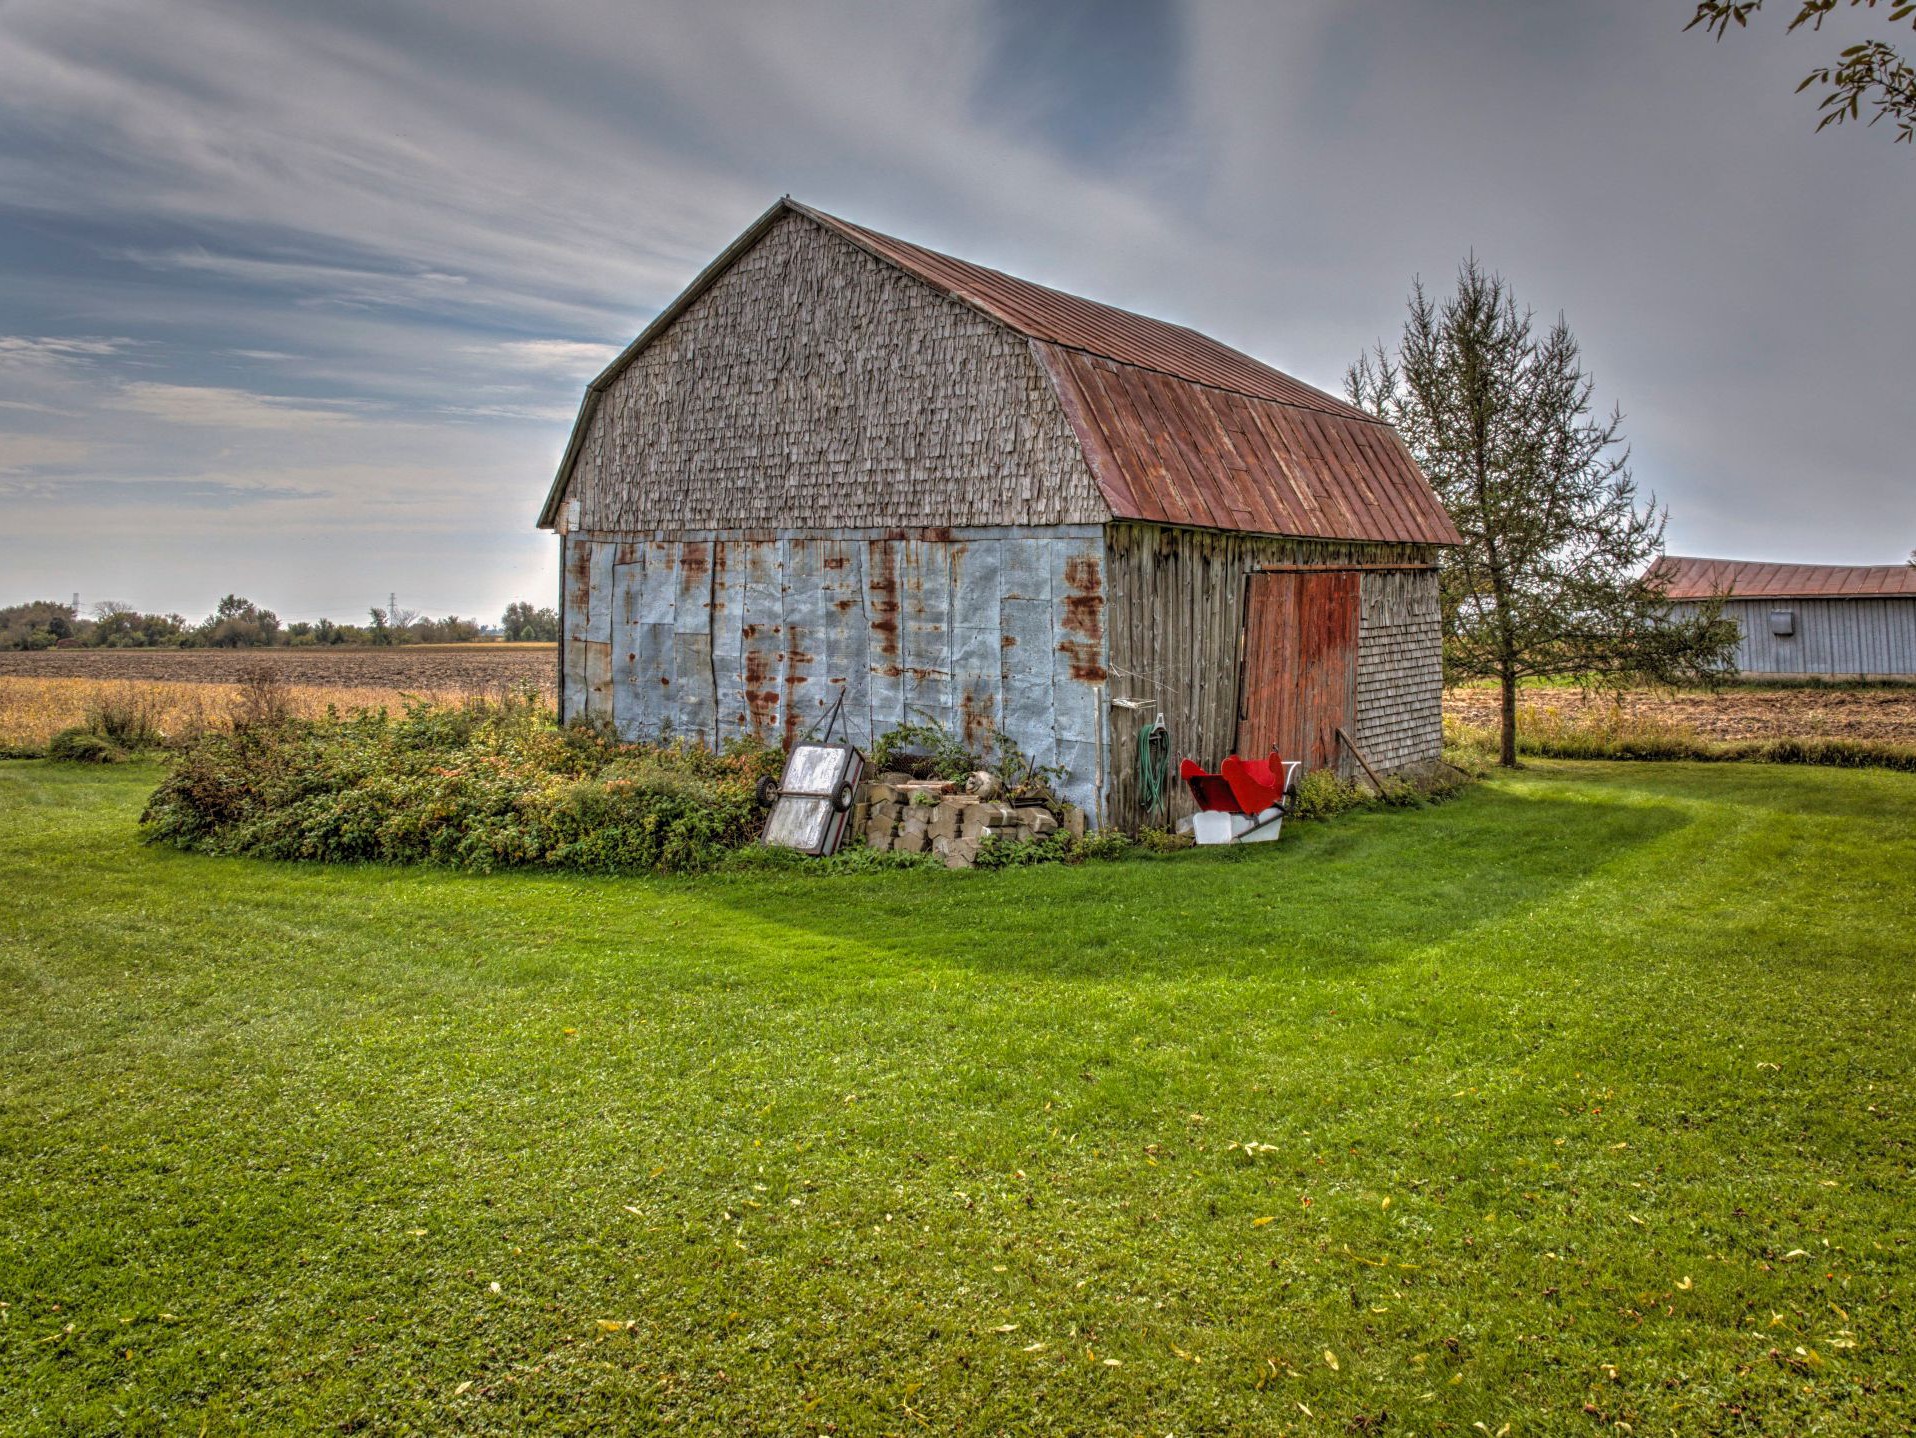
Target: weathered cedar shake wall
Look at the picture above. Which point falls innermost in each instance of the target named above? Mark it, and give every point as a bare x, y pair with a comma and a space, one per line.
1400, 669
1174, 614
813, 386
1835, 638
716, 635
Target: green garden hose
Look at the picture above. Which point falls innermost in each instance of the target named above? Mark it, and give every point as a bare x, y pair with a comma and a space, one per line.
1154, 766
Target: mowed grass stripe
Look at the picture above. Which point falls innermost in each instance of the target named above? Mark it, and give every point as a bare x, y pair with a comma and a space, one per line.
810, 1145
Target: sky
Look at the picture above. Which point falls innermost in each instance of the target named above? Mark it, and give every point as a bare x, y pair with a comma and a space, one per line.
299, 300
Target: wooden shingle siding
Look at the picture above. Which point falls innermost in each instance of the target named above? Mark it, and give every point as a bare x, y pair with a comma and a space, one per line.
815, 387
1400, 654
1175, 611
714, 636
1834, 638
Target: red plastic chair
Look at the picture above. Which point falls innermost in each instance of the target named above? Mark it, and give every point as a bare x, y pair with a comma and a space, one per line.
1211, 791
1256, 784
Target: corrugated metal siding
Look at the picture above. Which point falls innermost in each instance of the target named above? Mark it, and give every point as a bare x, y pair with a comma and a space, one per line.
720, 635
1835, 638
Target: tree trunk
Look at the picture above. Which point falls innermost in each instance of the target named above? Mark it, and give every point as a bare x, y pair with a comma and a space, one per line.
1508, 756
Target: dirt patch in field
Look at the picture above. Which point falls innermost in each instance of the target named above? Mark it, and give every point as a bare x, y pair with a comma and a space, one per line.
1887, 713
427, 668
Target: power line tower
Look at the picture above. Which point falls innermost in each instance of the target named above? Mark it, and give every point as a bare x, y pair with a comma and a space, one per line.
392, 607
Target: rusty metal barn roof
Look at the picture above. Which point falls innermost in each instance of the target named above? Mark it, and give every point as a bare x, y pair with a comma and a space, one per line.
1177, 428
1690, 578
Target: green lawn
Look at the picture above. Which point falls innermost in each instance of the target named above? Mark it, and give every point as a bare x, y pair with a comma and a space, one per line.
1582, 1100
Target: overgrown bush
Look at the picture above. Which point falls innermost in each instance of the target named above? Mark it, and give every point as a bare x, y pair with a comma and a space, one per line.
931, 751
478, 786
81, 745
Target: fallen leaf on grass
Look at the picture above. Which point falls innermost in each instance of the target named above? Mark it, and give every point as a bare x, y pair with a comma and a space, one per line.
1006, 1328
1794, 1254
1034, 1347
1114, 1363
1331, 1358
1686, 1285
1260, 1222
462, 1388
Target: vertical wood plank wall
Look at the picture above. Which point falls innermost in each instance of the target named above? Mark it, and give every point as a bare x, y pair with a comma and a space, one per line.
1174, 616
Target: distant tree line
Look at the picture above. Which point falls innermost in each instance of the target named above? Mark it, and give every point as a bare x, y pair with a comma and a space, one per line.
238, 623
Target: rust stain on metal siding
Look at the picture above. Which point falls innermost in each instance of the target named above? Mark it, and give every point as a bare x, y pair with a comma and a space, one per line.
761, 692
882, 566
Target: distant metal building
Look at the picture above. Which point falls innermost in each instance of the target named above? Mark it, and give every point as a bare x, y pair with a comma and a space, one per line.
842, 464
1828, 621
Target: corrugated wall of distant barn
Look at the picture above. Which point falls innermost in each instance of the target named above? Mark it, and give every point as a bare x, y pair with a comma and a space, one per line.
717, 635
1836, 638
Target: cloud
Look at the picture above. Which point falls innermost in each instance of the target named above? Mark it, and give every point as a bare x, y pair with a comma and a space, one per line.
213, 407
35, 451
174, 494
45, 351
565, 357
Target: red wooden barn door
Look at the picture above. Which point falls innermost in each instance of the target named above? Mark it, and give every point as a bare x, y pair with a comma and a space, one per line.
1300, 665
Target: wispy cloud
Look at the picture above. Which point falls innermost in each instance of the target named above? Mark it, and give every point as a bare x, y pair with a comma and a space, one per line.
213, 407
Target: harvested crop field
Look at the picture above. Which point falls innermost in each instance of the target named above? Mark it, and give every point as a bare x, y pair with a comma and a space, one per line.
435, 668
174, 694
1886, 712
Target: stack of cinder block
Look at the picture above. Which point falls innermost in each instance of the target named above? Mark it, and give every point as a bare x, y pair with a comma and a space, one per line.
929, 816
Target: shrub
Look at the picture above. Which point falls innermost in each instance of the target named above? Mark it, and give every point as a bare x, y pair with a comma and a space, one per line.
125, 718
81, 745
478, 786
931, 751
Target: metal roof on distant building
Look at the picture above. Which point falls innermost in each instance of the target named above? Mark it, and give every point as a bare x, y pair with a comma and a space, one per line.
1176, 427
1691, 578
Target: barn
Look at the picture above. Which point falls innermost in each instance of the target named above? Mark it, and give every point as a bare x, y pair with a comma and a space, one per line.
1807, 621
843, 465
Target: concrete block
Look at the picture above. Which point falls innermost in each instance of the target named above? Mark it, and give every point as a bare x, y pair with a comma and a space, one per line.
1042, 822
879, 839
1074, 821
961, 853
881, 794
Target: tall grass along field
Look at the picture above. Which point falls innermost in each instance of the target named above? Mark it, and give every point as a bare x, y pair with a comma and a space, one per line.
1581, 1104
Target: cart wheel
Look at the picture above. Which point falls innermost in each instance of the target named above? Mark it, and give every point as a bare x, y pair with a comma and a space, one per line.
767, 791
842, 798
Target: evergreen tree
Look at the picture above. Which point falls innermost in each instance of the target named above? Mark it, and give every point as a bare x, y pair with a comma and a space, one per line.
1551, 577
